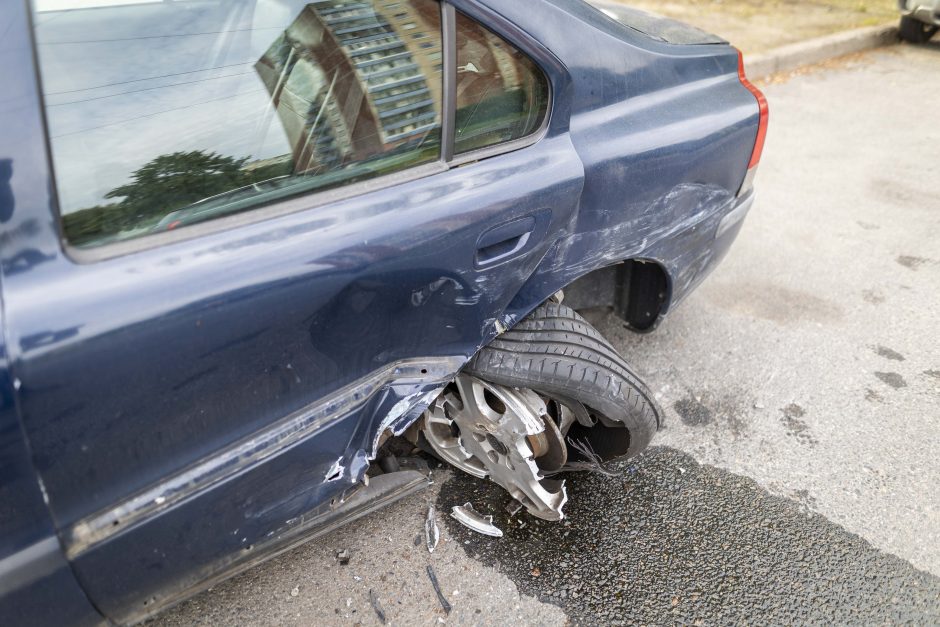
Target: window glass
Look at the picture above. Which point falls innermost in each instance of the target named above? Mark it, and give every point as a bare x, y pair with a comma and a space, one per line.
501, 94
165, 114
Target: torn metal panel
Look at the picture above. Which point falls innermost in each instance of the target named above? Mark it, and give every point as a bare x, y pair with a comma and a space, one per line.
336, 471
406, 410
259, 447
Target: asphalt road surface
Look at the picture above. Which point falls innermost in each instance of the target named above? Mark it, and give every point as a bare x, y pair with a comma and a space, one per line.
797, 477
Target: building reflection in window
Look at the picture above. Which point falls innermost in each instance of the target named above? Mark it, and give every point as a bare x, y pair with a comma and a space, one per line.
348, 84
501, 94
158, 119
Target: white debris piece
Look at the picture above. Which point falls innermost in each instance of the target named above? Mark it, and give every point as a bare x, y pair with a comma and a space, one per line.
432, 533
472, 519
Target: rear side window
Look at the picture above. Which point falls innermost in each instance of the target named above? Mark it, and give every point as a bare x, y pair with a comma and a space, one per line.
165, 114
501, 94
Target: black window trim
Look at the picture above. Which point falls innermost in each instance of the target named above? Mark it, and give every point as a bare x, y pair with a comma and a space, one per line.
446, 161
450, 97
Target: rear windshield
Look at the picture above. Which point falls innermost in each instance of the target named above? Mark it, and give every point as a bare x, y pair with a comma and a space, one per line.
656, 26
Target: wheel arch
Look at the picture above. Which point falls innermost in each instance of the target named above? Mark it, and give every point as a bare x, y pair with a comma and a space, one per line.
638, 290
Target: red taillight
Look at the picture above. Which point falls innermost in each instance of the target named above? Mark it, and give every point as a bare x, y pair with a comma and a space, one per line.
764, 113
172, 225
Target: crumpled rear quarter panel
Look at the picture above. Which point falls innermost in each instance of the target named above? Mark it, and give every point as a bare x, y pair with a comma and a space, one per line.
664, 132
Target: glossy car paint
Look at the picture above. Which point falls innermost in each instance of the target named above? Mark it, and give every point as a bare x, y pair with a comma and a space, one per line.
37, 586
133, 370
36, 583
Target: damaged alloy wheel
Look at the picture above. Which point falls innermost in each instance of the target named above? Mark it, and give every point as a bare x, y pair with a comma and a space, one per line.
549, 395
493, 431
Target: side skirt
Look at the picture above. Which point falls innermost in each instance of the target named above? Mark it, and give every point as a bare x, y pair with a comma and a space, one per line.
381, 492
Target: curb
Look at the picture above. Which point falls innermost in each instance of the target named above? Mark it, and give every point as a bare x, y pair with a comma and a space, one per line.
790, 57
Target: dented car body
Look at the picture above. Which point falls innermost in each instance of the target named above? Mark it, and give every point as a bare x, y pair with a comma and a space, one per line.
181, 403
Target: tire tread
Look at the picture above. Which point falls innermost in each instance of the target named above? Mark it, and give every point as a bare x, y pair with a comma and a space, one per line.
557, 352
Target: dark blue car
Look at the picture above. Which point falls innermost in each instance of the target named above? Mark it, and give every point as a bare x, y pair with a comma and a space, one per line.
255, 253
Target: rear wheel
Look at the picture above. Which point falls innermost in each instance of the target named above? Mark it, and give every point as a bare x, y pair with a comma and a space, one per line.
549, 395
556, 352
916, 31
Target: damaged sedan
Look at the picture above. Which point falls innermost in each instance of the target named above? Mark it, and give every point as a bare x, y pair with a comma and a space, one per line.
257, 252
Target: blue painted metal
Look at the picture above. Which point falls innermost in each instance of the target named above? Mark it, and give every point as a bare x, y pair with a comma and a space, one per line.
37, 586
135, 368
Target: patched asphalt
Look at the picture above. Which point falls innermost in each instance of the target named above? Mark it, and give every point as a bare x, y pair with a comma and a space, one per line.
674, 541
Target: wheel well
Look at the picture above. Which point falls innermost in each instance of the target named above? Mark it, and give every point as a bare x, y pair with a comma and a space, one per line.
637, 290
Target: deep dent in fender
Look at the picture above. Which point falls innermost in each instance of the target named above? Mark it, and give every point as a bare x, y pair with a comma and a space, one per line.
679, 226
405, 381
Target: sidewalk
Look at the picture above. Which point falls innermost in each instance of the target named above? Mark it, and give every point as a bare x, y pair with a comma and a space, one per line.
757, 26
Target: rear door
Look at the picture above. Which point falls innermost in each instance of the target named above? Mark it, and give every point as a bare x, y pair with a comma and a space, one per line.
269, 229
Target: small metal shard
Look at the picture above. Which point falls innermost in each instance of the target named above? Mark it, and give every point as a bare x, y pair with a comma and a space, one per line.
472, 519
374, 600
513, 507
343, 556
437, 588
432, 534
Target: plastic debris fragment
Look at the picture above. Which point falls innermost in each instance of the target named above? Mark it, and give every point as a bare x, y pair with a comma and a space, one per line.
472, 519
432, 534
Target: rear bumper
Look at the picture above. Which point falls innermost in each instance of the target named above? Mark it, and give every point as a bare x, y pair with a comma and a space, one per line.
706, 248
735, 215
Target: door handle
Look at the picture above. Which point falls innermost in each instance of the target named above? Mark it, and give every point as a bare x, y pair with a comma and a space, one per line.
503, 241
